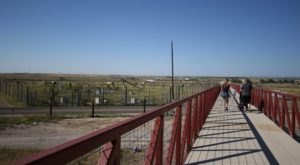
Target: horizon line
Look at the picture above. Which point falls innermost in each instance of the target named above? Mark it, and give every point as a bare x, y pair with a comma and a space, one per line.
147, 75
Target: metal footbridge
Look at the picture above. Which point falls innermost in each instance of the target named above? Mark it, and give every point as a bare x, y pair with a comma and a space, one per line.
194, 130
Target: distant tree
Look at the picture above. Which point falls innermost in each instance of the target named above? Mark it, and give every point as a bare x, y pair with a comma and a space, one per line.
236, 81
285, 81
270, 81
262, 81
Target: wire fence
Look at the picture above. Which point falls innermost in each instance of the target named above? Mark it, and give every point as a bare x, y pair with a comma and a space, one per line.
68, 93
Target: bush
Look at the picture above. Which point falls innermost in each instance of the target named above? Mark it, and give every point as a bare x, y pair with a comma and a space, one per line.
236, 81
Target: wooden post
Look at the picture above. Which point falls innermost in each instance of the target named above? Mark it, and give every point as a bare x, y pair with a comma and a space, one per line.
93, 109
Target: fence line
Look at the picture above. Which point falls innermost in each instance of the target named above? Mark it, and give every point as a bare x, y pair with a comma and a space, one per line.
175, 130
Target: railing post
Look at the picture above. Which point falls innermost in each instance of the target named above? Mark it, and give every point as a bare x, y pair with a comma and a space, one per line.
178, 138
199, 114
296, 112
276, 109
271, 105
195, 119
159, 151
282, 122
203, 110
293, 117
111, 153
189, 126
186, 130
205, 106
175, 138
156, 144
287, 114
266, 103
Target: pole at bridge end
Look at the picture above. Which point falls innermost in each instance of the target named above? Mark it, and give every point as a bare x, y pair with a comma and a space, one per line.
52, 99
172, 70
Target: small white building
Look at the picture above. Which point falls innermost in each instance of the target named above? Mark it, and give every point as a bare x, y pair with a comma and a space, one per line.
150, 81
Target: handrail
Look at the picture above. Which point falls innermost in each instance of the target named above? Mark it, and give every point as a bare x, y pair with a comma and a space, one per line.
197, 109
281, 108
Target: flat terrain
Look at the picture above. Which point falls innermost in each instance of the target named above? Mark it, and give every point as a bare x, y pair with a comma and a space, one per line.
45, 135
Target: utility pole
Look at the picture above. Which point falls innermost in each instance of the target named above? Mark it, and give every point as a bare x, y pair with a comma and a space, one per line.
144, 104
125, 95
172, 70
52, 99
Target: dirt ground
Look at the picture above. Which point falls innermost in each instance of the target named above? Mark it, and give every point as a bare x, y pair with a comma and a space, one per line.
45, 135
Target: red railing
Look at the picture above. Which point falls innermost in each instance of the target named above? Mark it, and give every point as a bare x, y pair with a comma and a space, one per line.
281, 108
190, 115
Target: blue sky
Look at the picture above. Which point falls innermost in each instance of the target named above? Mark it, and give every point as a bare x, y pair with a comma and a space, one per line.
211, 37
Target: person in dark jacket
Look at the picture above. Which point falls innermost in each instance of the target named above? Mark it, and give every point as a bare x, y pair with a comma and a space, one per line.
246, 89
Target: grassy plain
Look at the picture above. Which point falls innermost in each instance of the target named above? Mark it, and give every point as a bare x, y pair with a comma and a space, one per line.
36, 89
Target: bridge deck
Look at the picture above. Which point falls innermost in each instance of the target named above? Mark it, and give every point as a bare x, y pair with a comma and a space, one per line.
229, 138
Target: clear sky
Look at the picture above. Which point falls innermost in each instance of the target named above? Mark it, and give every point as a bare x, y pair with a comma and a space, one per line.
211, 37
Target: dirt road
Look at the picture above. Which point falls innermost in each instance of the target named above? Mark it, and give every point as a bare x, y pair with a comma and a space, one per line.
45, 135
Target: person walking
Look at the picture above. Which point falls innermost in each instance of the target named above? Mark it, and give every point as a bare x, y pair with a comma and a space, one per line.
246, 89
225, 86
241, 104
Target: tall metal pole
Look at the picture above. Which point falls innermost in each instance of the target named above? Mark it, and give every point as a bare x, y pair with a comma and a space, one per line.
172, 70
52, 99
125, 95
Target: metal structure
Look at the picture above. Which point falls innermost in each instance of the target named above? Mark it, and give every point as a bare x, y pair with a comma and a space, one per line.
190, 115
281, 108
172, 59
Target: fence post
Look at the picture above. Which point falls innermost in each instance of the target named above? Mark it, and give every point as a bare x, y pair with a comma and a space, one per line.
145, 104
125, 96
51, 102
27, 95
72, 98
93, 109
5, 88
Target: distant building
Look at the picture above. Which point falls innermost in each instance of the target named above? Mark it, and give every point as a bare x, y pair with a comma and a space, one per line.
150, 81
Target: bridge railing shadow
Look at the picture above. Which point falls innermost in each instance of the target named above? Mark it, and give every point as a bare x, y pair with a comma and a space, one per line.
224, 135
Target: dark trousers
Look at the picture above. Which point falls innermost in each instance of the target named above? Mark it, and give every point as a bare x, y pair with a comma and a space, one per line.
246, 100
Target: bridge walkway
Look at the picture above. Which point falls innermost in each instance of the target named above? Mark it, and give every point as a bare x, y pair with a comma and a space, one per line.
235, 137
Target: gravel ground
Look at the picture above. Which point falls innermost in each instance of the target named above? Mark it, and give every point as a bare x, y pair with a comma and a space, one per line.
46, 135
